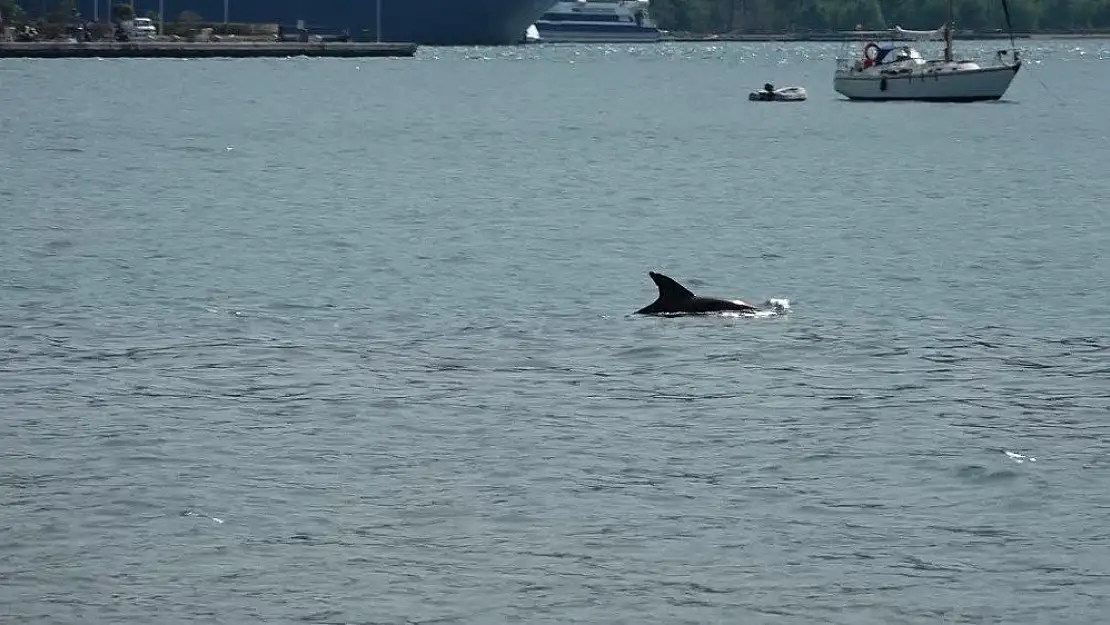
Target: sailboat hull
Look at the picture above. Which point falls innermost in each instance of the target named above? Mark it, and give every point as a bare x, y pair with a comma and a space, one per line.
952, 84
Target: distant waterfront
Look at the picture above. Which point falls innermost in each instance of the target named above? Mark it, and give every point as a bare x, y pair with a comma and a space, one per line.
263, 31
854, 36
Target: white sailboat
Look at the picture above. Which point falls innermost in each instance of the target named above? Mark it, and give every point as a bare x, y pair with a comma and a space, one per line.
532, 35
897, 71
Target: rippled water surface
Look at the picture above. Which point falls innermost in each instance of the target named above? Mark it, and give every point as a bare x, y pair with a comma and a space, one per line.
348, 341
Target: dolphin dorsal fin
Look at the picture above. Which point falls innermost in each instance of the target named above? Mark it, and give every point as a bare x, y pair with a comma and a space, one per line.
669, 290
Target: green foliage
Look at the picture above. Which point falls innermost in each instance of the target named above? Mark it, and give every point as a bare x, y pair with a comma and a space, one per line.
825, 15
122, 12
61, 12
12, 11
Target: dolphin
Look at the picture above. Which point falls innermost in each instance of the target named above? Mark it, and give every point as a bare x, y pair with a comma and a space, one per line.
675, 298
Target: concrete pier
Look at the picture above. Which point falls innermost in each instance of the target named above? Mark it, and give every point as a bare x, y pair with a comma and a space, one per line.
197, 50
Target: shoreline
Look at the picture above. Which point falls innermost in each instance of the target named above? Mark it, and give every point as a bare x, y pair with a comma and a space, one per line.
196, 50
840, 37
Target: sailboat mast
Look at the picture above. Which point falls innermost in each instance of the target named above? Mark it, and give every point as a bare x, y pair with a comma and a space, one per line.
948, 34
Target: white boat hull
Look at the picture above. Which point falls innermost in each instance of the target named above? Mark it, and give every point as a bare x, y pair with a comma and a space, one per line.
611, 36
949, 85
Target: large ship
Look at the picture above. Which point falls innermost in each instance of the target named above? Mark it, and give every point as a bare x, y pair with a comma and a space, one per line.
598, 21
425, 22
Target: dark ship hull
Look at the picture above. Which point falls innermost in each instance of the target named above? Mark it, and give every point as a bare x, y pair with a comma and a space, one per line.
425, 22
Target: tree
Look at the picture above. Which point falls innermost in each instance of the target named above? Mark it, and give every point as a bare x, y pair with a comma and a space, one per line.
62, 12
122, 12
802, 15
1058, 14
972, 14
11, 11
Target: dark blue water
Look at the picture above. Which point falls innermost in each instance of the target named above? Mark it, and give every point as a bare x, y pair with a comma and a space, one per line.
349, 342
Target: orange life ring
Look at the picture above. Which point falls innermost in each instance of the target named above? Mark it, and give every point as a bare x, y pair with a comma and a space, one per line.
871, 46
